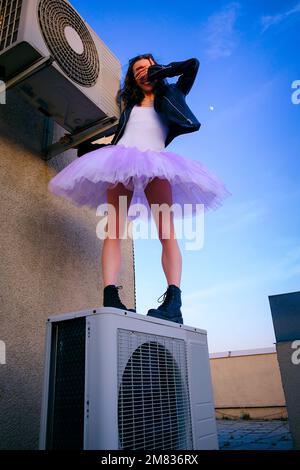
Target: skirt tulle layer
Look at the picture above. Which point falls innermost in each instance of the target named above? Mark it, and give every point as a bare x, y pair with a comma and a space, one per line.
85, 180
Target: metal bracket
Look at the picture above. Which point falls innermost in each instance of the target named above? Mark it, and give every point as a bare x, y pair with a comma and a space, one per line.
95, 131
34, 68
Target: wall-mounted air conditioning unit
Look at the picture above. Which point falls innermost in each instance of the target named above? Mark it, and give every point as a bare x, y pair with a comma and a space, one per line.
79, 88
116, 379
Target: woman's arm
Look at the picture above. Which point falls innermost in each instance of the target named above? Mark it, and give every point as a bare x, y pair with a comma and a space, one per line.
187, 69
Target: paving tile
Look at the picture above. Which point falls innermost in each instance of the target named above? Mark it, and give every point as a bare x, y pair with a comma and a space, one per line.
254, 435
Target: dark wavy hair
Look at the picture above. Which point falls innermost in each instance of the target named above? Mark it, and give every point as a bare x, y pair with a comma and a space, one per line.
131, 92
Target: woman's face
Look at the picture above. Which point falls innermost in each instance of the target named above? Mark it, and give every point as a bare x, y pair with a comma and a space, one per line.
139, 69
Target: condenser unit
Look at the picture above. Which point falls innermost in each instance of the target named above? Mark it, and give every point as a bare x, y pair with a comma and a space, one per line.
118, 380
79, 86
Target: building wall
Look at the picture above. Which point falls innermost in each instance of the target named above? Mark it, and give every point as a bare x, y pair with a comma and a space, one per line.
248, 384
285, 309
290, 373
50, 264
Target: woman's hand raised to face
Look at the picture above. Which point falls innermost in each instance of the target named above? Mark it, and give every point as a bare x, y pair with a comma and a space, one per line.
142, 73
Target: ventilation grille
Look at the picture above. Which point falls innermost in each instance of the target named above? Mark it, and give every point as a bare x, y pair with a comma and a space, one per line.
54, 16
153, 398
66, 386
10, 12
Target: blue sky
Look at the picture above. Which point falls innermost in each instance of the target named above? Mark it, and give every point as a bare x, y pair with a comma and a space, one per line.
249, 57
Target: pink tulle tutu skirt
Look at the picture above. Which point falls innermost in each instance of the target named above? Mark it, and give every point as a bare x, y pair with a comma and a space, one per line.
85, 180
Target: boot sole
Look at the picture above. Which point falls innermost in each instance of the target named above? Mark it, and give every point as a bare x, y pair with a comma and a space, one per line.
163, 317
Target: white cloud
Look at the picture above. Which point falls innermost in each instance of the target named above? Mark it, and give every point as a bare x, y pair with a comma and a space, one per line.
270, 20
214, 291
249, 101
219, 32
287, 267
243, 215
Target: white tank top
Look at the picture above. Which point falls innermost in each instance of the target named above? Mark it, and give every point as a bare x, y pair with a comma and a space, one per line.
145, 129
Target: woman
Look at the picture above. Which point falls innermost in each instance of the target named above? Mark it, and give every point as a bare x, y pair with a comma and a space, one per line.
135, 165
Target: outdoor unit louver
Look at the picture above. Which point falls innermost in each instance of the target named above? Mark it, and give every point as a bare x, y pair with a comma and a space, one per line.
80, 86
120, 380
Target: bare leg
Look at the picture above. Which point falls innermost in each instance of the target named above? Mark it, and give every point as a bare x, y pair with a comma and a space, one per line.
159, 191
111, 250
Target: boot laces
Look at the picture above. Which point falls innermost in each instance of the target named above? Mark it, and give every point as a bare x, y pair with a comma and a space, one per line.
165, 296
118, 288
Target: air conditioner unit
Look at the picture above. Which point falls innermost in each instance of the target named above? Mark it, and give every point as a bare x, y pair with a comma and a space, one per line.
79, 88
119, 380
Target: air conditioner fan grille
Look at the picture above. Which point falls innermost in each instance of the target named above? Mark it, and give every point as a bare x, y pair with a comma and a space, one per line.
153, 396
54, 16
10, 12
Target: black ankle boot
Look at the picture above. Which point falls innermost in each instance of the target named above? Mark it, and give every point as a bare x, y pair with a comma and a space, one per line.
111, 298
170, 308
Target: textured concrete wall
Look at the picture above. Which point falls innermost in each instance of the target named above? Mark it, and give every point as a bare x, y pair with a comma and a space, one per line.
50, 264
248, 384
265, 413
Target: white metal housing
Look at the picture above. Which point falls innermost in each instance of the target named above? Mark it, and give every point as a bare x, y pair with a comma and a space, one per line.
116, 379
79, 88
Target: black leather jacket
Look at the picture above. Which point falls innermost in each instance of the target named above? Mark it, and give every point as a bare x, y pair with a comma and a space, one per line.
169, 102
